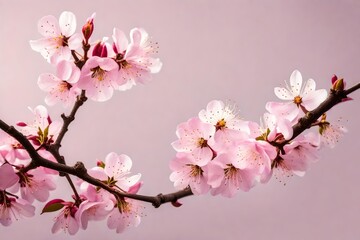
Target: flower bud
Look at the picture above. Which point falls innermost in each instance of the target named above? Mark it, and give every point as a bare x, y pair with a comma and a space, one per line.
88, 28
100, 49
100, 164
333, 79
338, 85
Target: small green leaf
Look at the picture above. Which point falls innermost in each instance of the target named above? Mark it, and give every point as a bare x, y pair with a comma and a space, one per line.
53, 205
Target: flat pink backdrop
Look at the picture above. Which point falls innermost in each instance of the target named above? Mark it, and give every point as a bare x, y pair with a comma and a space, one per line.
228, 50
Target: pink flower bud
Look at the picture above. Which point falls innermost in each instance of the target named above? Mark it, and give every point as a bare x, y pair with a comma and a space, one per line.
88, 27
333, 79
100, 49
338, 85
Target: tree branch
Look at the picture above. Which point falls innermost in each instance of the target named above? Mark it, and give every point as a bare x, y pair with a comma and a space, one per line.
80, 171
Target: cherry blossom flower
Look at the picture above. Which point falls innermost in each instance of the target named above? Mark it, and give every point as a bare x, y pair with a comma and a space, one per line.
116, 171
226, 177
35, 184
62, 87
98, 77
13, 209
66, 220
188, 171
229, 127
300, 97
12, 151
93, 210
298, 154
330, 132
59, 37
135, 59
127, 213
193, 136
42, 130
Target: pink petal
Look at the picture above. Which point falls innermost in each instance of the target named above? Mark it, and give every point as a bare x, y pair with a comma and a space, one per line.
8, 177
120, 40
67, 22
283, 93
48, 27
295, 82
313, 99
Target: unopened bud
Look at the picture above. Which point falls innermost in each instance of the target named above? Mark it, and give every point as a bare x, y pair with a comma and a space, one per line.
100, 164
333, 79
88, 27
338, 85
100, 49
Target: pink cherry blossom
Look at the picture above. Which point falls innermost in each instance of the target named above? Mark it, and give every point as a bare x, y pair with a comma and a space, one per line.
35, 184
42, 130
98, 78
135, 58
66, 220
298, 155
126, 214
59, 37
116, 172
13, 209
331, 132
225, 118
12, 151
226, 178
62, 87
89, 210
188, 171
300, 97
193, 136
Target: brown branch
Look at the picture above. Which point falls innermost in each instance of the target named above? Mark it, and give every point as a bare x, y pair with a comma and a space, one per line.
80, 171
311, 117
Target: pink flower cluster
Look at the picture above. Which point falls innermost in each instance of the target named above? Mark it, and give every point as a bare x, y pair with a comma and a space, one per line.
98, 204
106, 68
18, 188
222, 153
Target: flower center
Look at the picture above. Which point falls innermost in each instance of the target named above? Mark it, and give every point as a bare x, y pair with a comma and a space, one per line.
195, 170
64, 86
230, 172
98, 73
202, 143
297, 100
220, 124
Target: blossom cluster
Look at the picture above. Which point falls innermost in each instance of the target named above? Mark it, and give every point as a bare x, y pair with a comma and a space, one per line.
19, 187
218, 151
101, 69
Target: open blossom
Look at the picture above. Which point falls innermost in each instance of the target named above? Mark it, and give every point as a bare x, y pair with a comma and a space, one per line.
298, 155
59, 37
330, 132
93, 210
98, 78
135, 60
188, 171
116, 172
226, 176
42, 129
13, 209
12, 151
300, 97
62, 87
66, 220
229, 127
35, 184
193, 138
127, 213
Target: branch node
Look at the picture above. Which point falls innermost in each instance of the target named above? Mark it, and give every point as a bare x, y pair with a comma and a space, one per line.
80, 168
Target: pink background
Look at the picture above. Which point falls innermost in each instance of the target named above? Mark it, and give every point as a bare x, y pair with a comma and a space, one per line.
236, 50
